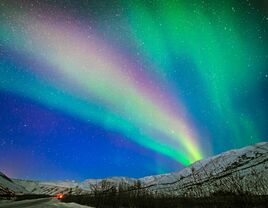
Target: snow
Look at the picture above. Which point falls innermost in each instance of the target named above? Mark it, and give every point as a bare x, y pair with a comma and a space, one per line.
55, 204
7, 185
248, 163
50, 188
244, 167
41, 203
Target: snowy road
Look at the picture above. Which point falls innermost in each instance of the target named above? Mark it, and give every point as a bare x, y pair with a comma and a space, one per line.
41, 203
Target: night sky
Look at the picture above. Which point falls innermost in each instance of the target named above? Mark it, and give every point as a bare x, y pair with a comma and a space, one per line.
92, 89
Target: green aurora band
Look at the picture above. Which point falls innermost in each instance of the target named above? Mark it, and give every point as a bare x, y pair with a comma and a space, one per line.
85, 77
212, 36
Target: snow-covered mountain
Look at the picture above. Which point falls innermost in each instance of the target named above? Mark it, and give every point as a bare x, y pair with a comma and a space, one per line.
9, 187
242, 170
238, 171
51, 188
71, 187
92, 184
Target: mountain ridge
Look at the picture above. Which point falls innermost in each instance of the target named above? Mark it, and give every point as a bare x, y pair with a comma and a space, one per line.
243, 167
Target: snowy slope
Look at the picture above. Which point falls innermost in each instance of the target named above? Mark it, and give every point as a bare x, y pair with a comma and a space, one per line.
72, 187
40, 203
91, 184
8, 187
50, 188
242, 170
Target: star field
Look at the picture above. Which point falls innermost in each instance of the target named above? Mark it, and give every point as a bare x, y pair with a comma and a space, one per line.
92, 89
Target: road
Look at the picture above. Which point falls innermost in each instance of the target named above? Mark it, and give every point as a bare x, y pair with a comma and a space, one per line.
41, 203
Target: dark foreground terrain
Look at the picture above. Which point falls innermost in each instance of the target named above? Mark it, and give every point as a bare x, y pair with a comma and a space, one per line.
147, 201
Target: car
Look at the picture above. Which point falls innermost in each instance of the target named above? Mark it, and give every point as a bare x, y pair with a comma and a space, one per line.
59, 196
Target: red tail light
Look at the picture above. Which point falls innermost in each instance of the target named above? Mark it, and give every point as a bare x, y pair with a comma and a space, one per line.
59, 196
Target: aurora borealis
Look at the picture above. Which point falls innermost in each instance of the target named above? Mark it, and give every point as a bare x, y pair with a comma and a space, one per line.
107, 88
